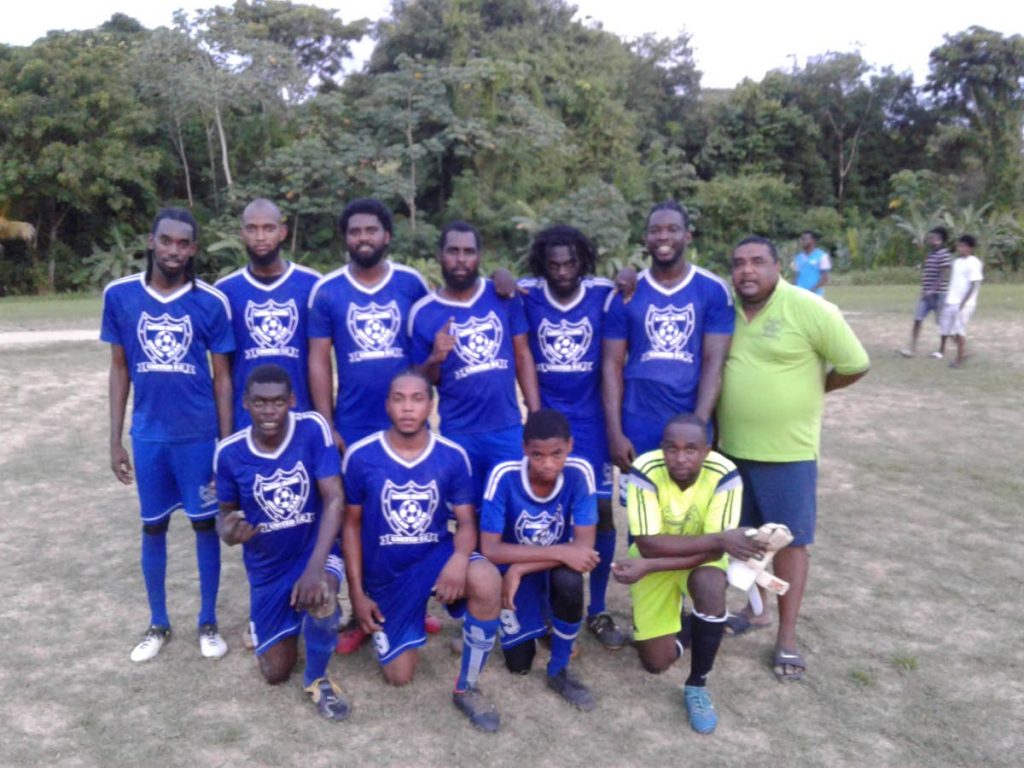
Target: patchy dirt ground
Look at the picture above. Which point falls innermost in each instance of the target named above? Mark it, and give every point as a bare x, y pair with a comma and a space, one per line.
911, 627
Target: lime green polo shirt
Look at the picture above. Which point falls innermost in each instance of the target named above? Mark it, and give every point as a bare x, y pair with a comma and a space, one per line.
773, 385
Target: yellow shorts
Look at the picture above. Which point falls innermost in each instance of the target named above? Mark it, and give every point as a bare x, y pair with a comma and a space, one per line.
658, 599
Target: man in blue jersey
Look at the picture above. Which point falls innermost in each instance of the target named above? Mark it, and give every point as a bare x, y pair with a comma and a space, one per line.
675, 333
162, 324
269, 311
400, 485
279, 488
473, 344
361, 310
538, 520
812, 265
564, 306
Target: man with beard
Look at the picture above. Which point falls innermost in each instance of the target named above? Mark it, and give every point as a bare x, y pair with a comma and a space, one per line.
361, 310
675, 331
473, 344
564, 305
269, 311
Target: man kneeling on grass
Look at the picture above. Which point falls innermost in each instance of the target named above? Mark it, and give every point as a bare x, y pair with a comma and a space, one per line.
400, 485
539, 522
683, 502
279, 488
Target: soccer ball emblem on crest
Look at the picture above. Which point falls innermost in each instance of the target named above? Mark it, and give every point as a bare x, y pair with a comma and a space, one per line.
564, 343
374, 327
271, 324
478, 339
669, 328
409, 509
542, 530
283, 495
165, 339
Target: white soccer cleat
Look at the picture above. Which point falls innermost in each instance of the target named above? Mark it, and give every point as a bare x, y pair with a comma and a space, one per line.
151, 644
211, 644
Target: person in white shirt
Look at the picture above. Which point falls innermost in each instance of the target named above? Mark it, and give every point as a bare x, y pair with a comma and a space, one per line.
962, 297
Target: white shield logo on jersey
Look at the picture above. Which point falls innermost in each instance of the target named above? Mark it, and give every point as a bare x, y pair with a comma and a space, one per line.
409, 509
478, 339
564, 343
669, 328
282, 495
165, 339
271, 325
374, 327
541, 530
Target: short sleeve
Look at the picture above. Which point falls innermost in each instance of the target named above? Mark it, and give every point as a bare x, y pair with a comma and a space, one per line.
825, 264
227, 488
492, 515
724, 510
420, 340
354, 480
460, 489
974, 273
517, 322
838, 344
615, 318
584, 506
222, 337
319, 322
109, 332
326, 460
642, 507
720, 317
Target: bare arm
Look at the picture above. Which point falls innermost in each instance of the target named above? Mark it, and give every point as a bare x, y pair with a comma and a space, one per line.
444, 343
577, 554
118, 389
709, 546
526, 372
232, 527
307, 590
835, 380
613, 361
822, 280
222, 393
321, 383
716, 349
365, 609
451, 582
631, 570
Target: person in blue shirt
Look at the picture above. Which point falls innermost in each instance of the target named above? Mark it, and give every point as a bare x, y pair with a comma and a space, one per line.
399, 487
473, 345
564, 305
361, 310
269, 298
811, 265
538, 523
663, 351
165, 328
279, 488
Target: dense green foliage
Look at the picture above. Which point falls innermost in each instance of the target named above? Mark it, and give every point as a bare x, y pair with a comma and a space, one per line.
508, 113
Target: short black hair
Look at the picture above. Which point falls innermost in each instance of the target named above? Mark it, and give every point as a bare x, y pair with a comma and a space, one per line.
670, 205
459, 226
941, 232
415, 373
687, 418
560, 234
183, 216
758, 240
968, 240
368, 205
546, 424
811, 234
268, 373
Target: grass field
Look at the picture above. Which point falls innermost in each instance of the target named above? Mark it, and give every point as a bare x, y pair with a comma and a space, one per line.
912, 625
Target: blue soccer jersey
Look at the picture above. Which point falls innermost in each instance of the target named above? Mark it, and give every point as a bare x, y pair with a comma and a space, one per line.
367, 326
270, 324
513, 510
278, 492
566, 343
478, 379
405, 503
664, 329
166, 340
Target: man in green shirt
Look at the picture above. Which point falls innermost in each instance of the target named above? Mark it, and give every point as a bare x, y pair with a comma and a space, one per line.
790, 347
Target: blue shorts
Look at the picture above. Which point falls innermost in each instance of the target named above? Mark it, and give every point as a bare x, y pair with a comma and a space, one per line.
780, 492
929, 302
271, 615
590, 442
486, 450
403, 604
533, 608
172, 476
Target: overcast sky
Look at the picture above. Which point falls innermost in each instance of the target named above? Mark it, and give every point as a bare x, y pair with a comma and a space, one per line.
731, 40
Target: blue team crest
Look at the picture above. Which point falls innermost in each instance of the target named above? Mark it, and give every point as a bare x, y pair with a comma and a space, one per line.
374, 327
271, 325
669, 328
542, 529
564, 343
409, 509
165, 339
478, 339
283, 495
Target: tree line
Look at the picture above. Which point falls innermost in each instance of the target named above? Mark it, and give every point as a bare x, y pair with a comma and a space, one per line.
507, 113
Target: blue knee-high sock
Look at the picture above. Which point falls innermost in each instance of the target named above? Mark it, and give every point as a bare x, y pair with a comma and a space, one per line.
208, 559
605, 546
320, 636
563, 635
477, 642
154, 573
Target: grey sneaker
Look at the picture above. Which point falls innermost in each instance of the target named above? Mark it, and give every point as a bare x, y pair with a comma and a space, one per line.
326, 695
572, 689
481, 713
608, 634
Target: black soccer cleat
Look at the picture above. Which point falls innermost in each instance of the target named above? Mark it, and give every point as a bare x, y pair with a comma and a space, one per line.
572, 689
481, 712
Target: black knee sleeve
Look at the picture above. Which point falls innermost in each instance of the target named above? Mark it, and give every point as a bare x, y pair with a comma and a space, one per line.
567, 593
158, 528
519, 658
208, 524
605, 516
